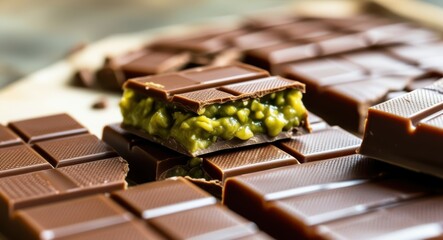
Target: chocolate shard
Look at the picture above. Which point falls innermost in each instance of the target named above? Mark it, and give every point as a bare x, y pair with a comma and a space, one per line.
407, 130
43, 128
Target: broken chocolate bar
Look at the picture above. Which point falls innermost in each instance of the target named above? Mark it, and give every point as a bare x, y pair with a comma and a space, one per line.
208, 109
407, 131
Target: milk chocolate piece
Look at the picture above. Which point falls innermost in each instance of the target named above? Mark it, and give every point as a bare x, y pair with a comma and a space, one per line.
160, 198
379, 63
407, 130
419, 219
144, 62
245, 160
69, 217
73, 150
209, 222
426, 56
43, 128
7, 137
20, 159
323, 144
47, 186
179, 210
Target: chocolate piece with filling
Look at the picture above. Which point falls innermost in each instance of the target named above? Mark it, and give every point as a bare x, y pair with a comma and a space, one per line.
213, 108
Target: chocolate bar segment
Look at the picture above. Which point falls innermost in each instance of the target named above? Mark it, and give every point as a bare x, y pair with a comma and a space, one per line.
209, 222
213, 108
246, 160
406, 131
69, 217
160, 198
323, 144
7, 137
43, 128
20, 159
420, 219
74, 149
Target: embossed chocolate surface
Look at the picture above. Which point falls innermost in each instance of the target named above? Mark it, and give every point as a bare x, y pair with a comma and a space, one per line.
407, 131
336, 198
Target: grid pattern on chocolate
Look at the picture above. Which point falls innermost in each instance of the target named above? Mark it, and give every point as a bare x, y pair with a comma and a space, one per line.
42, 128
246, 160
247, 156
20, 158
319, 173
327, 143
74, 149
329, 205
51, 220
106, 171
45, 186
413, 105
164, 197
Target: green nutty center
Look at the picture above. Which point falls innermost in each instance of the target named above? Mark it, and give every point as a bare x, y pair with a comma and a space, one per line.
242, 119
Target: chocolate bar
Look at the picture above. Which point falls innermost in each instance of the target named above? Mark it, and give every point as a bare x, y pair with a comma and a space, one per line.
54, 159
317, 201
148, 211
208, 109
406, 131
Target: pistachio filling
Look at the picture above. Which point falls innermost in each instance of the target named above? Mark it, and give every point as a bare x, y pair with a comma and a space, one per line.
270, 114
193, 169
